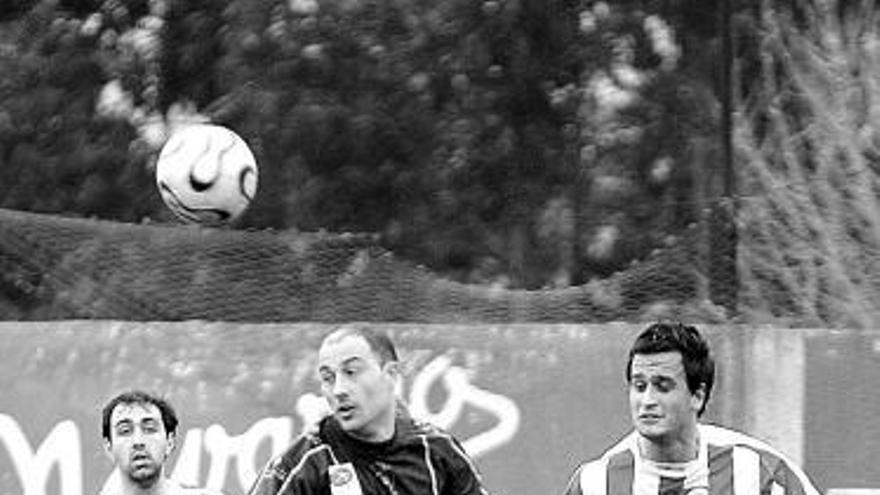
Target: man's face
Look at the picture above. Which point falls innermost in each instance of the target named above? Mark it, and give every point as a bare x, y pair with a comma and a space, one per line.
358, 388
138, 442
661, 406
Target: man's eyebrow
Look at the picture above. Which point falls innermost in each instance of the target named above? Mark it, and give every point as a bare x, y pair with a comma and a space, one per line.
352, 359
669, 377
654, 376
347, 361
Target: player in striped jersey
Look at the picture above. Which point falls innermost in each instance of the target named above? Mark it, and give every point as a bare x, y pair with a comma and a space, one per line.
369, 444
670, 375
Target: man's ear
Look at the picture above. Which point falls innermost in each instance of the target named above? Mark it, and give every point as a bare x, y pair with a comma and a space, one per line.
171, 444
698, 398
393, 370
108, 450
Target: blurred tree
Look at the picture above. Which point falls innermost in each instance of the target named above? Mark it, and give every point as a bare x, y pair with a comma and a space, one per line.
190, 48
523, 143
13, 9
60, 156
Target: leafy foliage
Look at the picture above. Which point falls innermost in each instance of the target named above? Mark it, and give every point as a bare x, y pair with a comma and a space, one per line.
523, 143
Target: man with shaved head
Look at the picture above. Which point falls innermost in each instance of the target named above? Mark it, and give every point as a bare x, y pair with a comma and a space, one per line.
368, 444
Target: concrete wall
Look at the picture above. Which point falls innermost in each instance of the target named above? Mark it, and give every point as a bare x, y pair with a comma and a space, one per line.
529, 401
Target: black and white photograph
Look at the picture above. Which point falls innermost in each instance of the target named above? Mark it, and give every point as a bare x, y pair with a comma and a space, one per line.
439, 247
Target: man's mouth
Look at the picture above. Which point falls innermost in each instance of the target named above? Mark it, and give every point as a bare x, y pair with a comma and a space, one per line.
345, 410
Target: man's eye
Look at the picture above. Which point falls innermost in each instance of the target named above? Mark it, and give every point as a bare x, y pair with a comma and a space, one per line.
326, 378
351, 370
665, 386
151, 428
124, 430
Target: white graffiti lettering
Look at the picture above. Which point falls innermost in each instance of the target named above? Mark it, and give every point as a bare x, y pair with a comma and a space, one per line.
460, 392
224, 448
247, 451
61, 447
189, 458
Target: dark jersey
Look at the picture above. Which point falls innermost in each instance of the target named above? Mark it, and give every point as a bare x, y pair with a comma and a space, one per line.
419, 460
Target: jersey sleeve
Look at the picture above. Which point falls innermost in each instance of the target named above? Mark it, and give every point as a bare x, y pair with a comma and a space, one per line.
269, 480
786, 477
298, 471
574, 483
460, 476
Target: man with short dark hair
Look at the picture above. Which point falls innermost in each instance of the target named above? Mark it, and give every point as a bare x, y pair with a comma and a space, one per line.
139, 431
670, 375
368, 444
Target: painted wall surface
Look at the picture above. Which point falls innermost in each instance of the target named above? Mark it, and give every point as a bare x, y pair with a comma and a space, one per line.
842, 404
528, 402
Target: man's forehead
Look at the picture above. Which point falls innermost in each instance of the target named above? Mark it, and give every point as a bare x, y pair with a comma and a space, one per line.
337, 350
664, 363
134, 411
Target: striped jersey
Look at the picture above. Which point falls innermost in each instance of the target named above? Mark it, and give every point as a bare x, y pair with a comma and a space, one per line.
419, 460
728, 463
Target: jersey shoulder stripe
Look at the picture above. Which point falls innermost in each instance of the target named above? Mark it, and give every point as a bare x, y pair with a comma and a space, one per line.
592, 478
720, 458
620, 473
772, 465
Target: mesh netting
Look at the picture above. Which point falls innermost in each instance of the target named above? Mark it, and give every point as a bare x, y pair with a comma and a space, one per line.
54, 267
57, 267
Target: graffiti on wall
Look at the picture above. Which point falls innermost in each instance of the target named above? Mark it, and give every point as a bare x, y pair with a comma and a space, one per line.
61, 447
227, 454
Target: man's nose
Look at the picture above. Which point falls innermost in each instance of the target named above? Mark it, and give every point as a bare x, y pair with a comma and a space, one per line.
137, 438
340, 387
649, 396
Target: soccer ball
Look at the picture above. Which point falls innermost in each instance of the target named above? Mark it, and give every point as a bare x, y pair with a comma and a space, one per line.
206, 174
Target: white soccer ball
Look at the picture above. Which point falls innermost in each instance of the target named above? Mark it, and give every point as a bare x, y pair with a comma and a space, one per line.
206, 174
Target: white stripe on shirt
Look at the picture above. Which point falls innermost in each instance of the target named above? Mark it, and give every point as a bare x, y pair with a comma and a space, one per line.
747, 471
594, 478
430, 465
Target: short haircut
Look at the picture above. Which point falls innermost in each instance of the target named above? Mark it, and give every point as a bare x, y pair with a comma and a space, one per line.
169, 417
671, 336
378, 341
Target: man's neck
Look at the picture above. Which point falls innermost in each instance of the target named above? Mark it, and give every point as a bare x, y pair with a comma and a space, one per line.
163, 486
382, 430
683, 448
379, 433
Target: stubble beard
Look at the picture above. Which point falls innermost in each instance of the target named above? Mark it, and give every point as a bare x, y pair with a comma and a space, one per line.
145, 477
